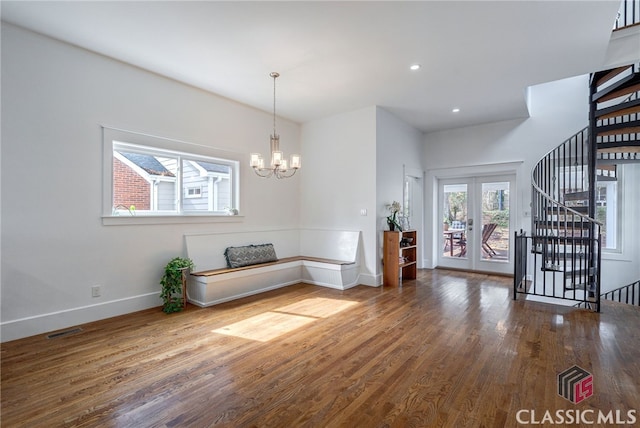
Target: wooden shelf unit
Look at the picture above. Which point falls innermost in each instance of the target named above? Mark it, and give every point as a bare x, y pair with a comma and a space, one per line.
394, 268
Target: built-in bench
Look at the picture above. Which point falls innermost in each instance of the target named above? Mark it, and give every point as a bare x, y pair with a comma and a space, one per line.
331, 259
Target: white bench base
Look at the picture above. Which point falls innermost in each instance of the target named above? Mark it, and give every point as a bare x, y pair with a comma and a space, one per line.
210, 290
330, 275
320, 249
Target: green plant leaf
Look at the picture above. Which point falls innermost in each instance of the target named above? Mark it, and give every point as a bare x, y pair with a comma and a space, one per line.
171, 283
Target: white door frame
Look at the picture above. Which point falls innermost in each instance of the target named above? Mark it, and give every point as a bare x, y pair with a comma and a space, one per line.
432, 216
417, 215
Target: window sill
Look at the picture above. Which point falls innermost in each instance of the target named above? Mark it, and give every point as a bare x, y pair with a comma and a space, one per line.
169, 219
614, 255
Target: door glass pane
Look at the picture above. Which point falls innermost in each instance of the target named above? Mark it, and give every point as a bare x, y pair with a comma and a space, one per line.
495, 222
455, 220
407, 206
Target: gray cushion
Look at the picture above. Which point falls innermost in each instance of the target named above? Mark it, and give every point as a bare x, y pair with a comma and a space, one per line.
250, 255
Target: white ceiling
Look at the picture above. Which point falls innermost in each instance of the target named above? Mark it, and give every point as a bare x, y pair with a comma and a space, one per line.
339, 56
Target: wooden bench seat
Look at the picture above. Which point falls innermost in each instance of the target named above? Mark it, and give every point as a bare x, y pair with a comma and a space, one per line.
215, 284
279, 261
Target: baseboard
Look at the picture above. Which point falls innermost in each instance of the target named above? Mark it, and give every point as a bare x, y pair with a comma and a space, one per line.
484, 272
45, 323
370, 279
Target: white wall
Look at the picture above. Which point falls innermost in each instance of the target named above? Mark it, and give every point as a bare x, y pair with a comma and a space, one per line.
399, 147
622, 268
623, 49
54, 246
339, 178
557, 111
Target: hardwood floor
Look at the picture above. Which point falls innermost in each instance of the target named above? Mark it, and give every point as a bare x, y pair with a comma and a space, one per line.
447, 349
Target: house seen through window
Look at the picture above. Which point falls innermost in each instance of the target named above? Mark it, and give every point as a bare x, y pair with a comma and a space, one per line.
149, 181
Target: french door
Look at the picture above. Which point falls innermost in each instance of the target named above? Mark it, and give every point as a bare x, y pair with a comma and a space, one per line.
477, 225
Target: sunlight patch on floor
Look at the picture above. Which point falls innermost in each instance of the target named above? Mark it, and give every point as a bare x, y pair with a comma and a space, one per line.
317, 307
272, 324
265, 327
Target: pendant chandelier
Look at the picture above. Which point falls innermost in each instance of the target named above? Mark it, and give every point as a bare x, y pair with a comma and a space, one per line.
279, 166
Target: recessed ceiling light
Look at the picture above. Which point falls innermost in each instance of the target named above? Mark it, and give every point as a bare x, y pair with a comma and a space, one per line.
455, 110
415, 67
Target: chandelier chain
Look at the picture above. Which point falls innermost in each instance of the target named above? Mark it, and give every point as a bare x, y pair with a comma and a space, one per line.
275, 76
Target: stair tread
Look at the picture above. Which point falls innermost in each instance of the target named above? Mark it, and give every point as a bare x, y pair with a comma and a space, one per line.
614, 161
619, 146
631, 127
624, 86
606, 178
576, 196
581, 273
622, 109
603, 77
582, 209
620, 149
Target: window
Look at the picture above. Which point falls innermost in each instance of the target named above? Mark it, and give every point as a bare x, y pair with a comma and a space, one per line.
607, 212
193, 192
608, 197
150, 176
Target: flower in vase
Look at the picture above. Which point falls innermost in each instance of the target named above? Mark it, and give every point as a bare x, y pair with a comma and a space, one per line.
392, 219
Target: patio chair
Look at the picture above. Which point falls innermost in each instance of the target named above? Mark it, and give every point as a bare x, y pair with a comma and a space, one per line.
487, 230
459, 238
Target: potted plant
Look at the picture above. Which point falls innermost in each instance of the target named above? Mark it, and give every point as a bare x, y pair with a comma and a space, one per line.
392, 220
172, 282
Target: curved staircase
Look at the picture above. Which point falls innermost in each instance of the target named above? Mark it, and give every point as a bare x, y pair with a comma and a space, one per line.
560, 262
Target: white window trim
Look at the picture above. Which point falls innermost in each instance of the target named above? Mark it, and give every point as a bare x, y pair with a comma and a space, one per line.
189, 195
614, 211
623, 251
191, 151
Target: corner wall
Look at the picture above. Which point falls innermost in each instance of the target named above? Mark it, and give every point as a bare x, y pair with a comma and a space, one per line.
399, 148
355, 161
54, 246
339, 178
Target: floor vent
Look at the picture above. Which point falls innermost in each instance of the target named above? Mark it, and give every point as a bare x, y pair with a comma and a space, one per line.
64, 333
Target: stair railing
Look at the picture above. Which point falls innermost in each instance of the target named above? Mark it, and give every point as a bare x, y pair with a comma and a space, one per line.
628, 14
560, 183
558, 268
565, 240
628, 294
